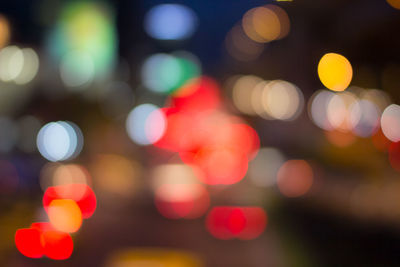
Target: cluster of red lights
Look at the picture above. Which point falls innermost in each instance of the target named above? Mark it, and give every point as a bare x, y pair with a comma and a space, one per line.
52, 239
218, 144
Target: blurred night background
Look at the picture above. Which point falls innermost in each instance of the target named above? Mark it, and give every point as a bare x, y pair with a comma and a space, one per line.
200, 133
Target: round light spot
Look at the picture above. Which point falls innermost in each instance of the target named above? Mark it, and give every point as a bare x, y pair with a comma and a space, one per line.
282, 100
266, 23
295, 178
242, 93
11, 63
60, 140
335, 71
394, 3
145, 124
170, 22
390, 122
318, 111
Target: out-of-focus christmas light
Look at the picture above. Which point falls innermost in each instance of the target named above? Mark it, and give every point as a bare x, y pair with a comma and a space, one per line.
335, 71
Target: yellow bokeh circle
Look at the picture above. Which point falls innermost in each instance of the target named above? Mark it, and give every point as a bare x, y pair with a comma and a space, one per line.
335, 71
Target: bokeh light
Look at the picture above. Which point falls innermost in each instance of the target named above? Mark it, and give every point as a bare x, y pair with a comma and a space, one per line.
153, 257
145, 124
335, 71
338, 111
266, 23
4, 31
28, 242
197, 95
82, 194
317, 109
221, 166
18, 65
170, 22
271, 100
59, 141
57, 245
178, 194
390, 122
11, 63
30, 67
164, 73
394, 3
173, 159
365, 118
65, 215
282, 100
295, 178
84, 40
242, 93
57, 174
227, 222
77, 69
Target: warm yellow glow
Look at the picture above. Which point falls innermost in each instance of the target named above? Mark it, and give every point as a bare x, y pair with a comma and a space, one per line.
4, 31
266, 23
282, 100
242, 93
153, 257
335, 71
394, 3
65, 215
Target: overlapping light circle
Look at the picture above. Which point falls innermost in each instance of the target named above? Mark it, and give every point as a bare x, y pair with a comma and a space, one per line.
165, 73
390, 122
58, 141
145, 124
273, 100
18, 65
266, 23
356, 111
